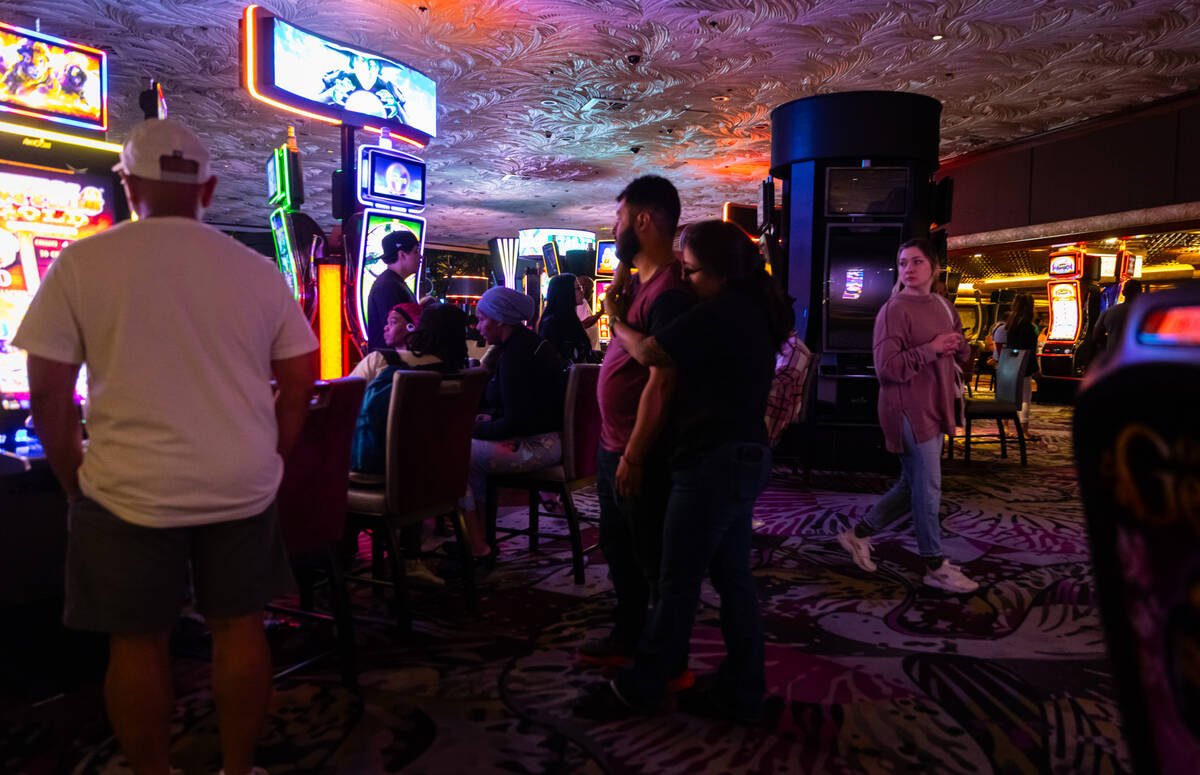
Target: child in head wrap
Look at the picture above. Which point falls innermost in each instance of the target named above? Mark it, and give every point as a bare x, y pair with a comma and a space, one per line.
520, 428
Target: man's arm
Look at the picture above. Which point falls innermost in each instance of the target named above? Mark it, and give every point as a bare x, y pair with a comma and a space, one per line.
52, 400
651, 418
295, 378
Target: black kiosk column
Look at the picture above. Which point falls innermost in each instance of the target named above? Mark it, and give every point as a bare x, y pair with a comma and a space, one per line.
857, 170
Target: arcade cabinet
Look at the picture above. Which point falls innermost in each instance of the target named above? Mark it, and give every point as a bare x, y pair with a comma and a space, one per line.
1074, 305
55, 188
1137, 451
297, 237
854, 188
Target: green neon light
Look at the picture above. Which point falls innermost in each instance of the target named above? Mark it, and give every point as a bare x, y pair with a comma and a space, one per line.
278, 181
285, 251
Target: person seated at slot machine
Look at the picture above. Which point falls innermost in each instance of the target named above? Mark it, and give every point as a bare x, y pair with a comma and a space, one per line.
402, 255
560, 325
1110, 326
438, 342
521, 426
402, 321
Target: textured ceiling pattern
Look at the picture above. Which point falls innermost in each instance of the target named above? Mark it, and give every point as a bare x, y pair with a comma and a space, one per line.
541, 104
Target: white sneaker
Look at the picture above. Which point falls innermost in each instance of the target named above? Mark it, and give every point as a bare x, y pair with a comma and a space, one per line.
418, 573
950, 578
859, 548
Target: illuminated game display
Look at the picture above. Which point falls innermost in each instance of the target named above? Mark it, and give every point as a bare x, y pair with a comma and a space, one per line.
297, 70
390, 177
1062, 291
603, 329
853, 287
41, 212
530, 241
377, 224
285, 251
606, 258
52, 79
552, 263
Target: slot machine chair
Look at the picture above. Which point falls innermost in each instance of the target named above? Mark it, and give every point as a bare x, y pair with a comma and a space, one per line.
429, 424
580, 443
1010, 373
312, 508
1137, 451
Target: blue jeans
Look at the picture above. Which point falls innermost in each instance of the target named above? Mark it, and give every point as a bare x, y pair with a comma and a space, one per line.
707, 530
631, 538
919, 491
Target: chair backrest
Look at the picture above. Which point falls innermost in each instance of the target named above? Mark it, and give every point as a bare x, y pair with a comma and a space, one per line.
429, 437
581, 421
1137, 451
1010, 372
312, 494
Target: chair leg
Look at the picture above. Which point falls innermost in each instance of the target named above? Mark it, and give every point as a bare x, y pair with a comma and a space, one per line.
535, 507
304, 581
1003, 438
489, 518
399, 580
1020, 438
967, 442
340, 600
576, 539
466, 559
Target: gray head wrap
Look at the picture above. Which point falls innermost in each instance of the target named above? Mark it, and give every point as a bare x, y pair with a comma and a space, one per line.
506, 305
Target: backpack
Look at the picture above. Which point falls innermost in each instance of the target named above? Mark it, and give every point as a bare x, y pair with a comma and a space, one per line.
368, 449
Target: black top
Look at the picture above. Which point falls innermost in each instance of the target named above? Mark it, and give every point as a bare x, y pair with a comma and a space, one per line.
525, 394
725, 357
387, 291
1023, 338
567, 336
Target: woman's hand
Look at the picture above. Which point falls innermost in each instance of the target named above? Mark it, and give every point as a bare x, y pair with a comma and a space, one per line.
482, 417
946, 343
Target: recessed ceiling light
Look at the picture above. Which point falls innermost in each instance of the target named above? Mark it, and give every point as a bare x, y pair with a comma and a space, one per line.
720, 98
938, 37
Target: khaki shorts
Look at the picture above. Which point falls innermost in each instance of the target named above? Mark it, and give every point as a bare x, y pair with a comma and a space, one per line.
129, 579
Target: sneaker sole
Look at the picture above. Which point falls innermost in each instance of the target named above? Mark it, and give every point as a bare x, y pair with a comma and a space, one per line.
948, 590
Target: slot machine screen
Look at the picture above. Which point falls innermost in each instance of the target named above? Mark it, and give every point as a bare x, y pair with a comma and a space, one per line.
376, 226
285, 256
53, 79
862, 271
866, 191
550, 259
392, 178
1064, 311
599, 291
606, 258
41, 212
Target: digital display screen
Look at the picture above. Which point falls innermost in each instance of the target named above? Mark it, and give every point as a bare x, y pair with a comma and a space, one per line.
1174, 326
285, 256
40, 214
1108, 266
530, 241
274, 184
606, 258
550, 259
376, 226
52, 79
357, 85
1064, 311
862, 271
605, 333
1063, 265
391, 178
867, 191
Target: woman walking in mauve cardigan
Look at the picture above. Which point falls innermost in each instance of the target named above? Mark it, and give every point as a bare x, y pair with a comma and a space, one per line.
918, 338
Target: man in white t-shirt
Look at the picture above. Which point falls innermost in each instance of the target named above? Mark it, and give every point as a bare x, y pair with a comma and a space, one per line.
181, 329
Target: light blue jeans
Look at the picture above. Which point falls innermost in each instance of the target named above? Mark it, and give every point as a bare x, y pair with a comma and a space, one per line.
919, 491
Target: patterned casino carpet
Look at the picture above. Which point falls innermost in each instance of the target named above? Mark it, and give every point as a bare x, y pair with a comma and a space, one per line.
876, 675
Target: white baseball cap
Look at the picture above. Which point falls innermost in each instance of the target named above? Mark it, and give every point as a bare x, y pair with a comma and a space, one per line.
164, 149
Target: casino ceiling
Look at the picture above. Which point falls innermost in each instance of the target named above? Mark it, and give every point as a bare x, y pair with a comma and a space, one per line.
547, 108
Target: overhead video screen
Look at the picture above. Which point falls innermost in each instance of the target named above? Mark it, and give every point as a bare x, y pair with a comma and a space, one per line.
530, 241
40, 214
52, 79
606, 258
344, 82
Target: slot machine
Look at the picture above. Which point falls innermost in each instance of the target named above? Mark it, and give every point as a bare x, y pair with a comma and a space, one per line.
297, 237
1065, 292
391, 187
606, 267
56, 186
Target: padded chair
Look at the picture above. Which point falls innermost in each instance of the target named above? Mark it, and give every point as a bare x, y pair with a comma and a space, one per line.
312, 507
430, 418
1136, 450
1010, 371
580, 442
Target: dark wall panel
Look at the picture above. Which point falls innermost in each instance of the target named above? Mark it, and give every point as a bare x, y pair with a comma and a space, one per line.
990, 193
1129, 166
1187, 178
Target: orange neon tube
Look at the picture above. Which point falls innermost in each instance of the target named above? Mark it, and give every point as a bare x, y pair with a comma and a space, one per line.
329, 319
252, 87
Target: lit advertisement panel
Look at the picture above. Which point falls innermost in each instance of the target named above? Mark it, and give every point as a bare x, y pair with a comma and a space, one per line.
603, 323
1065, 265
391, 178
530, 241
377, 224
1064, 311
48, 78
606, 258
40, 214
297, 70
853, 286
